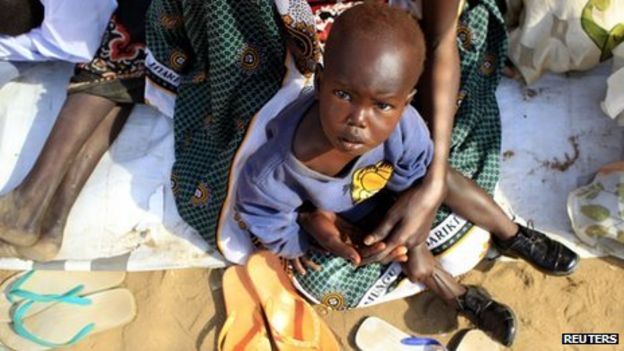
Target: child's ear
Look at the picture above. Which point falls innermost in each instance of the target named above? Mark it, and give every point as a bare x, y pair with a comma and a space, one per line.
318, 75
410, 97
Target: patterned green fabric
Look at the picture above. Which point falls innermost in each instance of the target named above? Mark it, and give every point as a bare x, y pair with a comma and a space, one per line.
475, 149
230, 55
476, 138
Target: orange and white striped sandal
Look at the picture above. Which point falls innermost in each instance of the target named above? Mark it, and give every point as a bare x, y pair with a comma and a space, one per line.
293, 323
244, 328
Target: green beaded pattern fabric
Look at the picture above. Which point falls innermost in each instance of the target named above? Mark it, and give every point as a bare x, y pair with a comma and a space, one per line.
229, 56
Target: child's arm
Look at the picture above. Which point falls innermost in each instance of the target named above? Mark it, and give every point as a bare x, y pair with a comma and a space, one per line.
404, 219
267, 211
403, 224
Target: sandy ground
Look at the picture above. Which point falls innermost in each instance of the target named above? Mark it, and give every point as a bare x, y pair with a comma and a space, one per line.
183, 309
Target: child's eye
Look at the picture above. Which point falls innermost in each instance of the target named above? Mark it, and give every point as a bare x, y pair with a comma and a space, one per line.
383, 106
342, 95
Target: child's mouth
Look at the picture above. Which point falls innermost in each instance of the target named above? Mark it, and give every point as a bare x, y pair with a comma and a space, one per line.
349, 144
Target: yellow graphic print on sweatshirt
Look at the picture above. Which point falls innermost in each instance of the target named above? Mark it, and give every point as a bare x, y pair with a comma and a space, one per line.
369, 180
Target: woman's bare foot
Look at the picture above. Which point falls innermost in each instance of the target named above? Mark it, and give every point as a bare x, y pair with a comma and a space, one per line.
48, 246
23, 208
55, 218
19, 223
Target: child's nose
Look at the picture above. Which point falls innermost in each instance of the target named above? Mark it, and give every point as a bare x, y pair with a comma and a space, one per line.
357, 117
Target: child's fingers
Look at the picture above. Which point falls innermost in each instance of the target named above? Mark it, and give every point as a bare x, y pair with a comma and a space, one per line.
401, 259
296, 263
352, 232
309, 263
369, 253
334, 245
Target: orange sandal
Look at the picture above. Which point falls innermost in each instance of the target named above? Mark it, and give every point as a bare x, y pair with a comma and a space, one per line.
244, 328
293, 323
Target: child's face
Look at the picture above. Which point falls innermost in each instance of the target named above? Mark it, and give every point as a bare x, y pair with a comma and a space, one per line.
362, 93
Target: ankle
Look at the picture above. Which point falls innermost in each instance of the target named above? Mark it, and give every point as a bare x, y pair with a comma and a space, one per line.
21, 199
454, 301
506, 234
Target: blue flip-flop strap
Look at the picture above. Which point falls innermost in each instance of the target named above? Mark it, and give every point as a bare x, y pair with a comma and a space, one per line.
20, 329
69, 296
17, 284
419, 341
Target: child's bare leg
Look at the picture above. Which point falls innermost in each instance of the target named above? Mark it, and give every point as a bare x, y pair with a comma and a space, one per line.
22, 210
468, 200
54, 220
423, 267
474, 303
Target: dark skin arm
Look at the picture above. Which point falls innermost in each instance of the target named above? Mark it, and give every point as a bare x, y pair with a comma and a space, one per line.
409, 221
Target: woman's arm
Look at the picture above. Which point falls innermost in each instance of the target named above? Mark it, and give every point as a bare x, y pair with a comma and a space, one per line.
439, 85
409, 221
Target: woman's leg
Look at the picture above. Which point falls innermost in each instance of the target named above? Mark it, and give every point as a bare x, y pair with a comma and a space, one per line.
54, 220
22, 210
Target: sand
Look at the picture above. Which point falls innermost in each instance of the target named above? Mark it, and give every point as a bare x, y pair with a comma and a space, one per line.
183, 309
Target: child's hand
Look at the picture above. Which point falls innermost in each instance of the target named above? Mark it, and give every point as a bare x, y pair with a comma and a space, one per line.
300, 264
338, 236
420, 264
331, 232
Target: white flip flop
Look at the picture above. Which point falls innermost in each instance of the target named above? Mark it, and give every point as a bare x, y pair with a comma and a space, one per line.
67, 322
41, 283
375, 334
477, 340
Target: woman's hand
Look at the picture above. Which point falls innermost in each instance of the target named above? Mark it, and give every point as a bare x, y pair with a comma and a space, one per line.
409, 220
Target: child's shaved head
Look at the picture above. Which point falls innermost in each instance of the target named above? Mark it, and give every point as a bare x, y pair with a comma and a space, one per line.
381, 24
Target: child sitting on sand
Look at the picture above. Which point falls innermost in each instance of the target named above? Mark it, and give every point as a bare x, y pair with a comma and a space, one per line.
356, 138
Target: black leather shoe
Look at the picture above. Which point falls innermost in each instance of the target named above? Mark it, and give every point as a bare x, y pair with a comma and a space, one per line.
495, 319
536, 248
